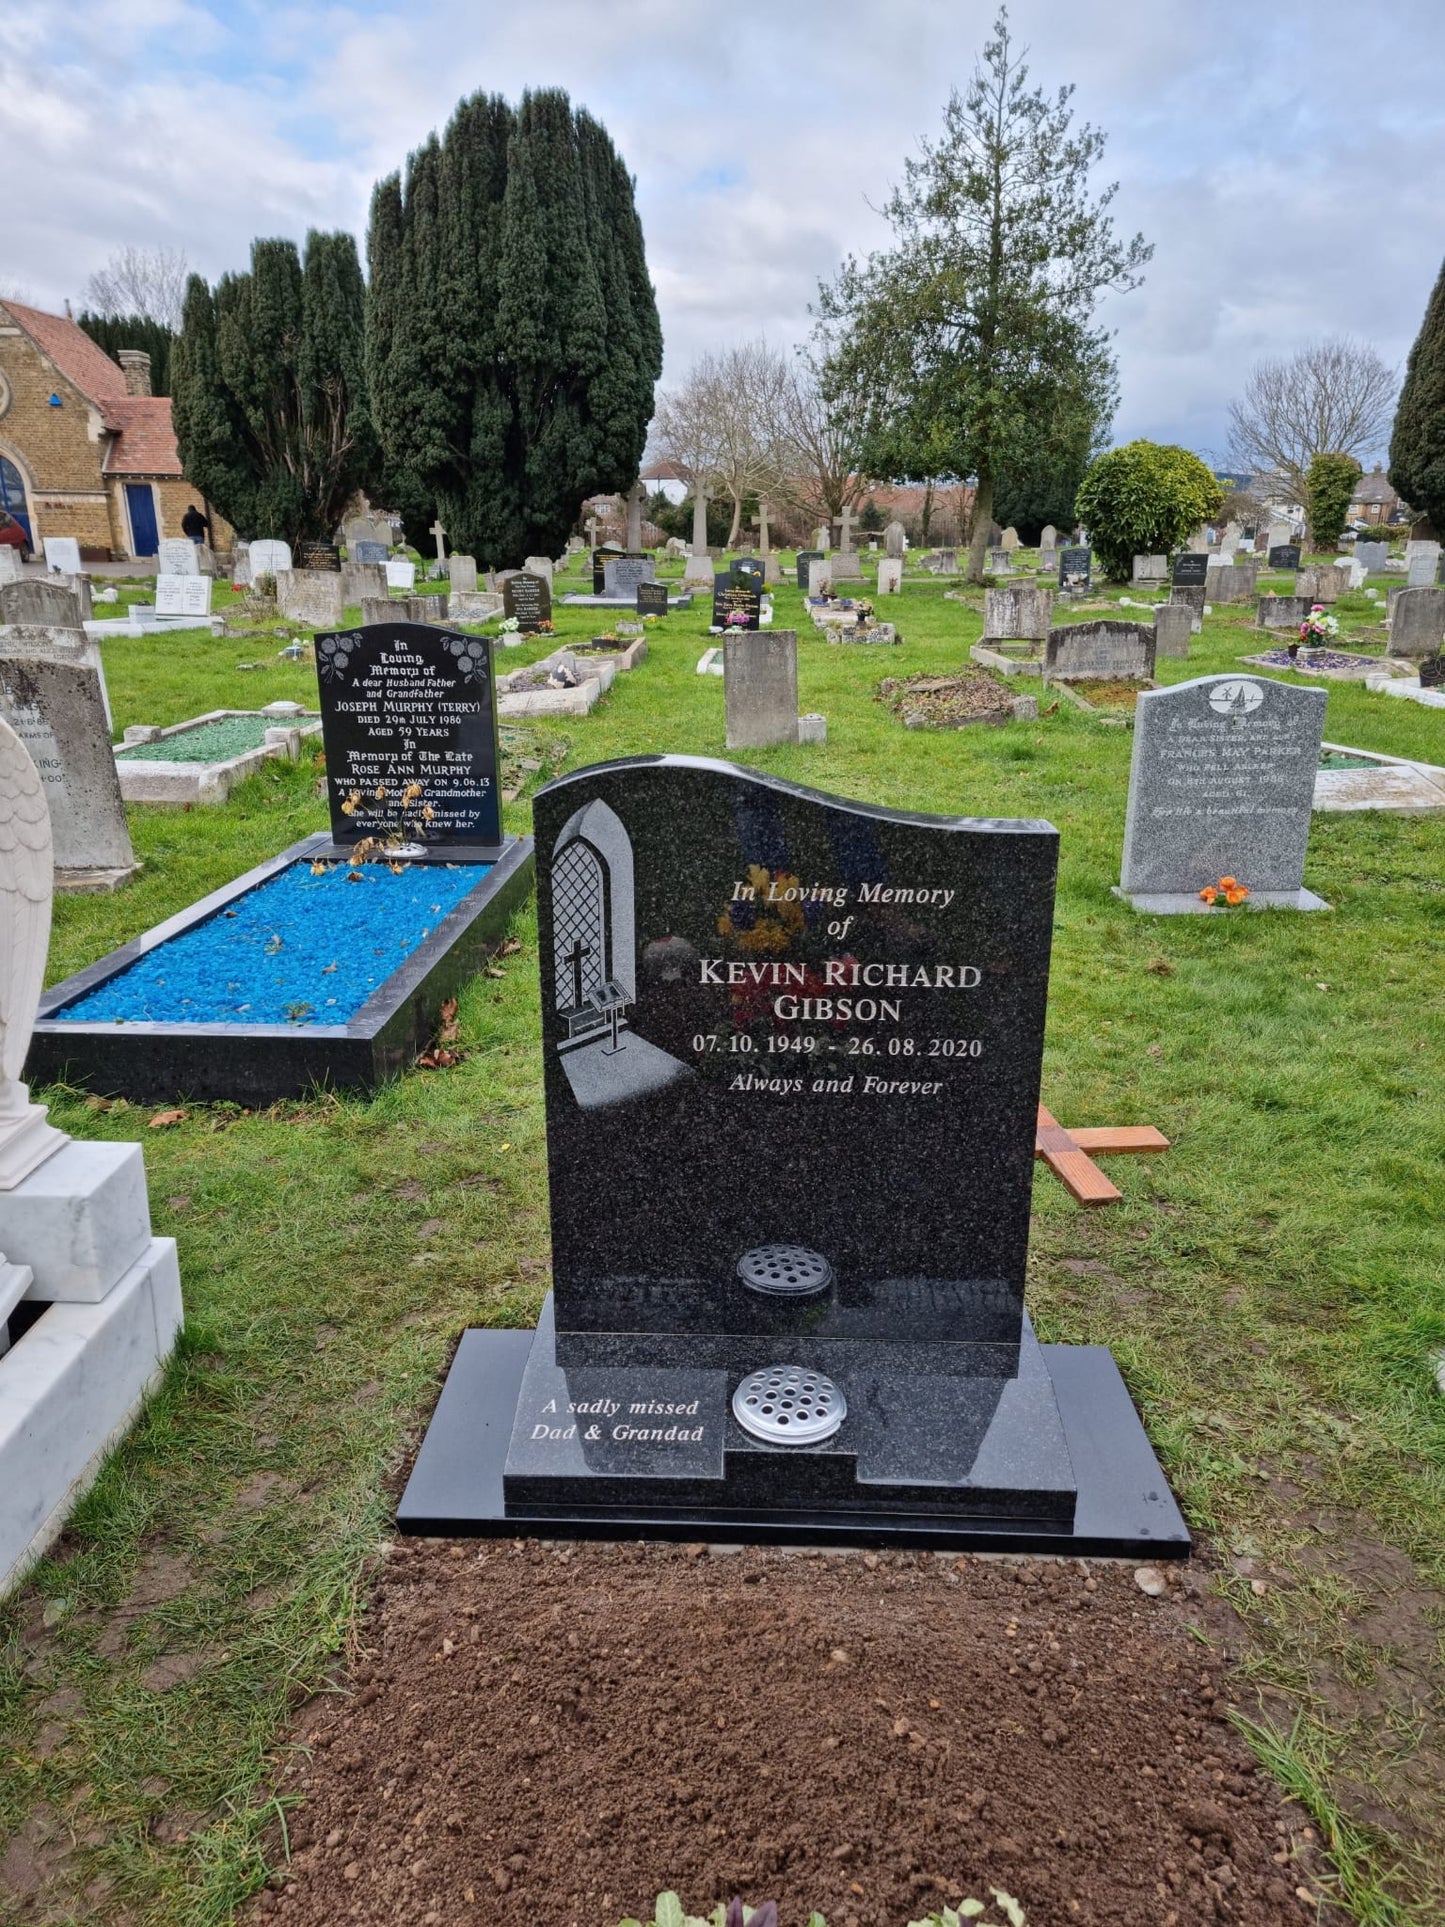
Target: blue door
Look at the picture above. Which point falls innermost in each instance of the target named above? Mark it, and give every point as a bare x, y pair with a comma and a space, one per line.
139, 500
12, 497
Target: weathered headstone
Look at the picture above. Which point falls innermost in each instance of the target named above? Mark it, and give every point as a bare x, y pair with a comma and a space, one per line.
1100, 652
1020, 613
820, 577
362, 581
1279, 534
1372, 556
9, 563
1282, 611
1417, 622
371, 530
528, 597
999, 562
1074, 570
1173, 626
1049, 537
58, 712
184, 595
1151, 568
890, 575
895, 539
312, 596
697, 571
622, 573
1284, 555
406, 706
1221, 784
472, 605
1234, 582
50, 604
760, 684
462, 572
369, 552
1323, 584
1422, 560
410, 608
178, 555
1010, 538
846, 566
534, 565
806, 558
269, 558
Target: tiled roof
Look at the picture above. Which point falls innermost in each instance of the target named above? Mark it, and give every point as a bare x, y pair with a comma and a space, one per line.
145, 441
73, 352
1374, 488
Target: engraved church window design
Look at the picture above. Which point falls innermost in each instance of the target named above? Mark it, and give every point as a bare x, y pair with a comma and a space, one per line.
594, 964
580, 913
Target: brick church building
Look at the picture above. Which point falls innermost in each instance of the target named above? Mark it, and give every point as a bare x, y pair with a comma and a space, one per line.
85, 448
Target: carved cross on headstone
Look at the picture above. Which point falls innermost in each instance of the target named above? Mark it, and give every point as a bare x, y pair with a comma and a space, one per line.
576, 956
761, 525
844, 524
592, 531
440, 533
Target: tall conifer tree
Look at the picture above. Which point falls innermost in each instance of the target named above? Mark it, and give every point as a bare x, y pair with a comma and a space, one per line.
1417, 442
513, 342
269, 389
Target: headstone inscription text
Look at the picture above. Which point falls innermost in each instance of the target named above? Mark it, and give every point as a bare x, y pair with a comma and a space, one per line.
408, 704
528, 598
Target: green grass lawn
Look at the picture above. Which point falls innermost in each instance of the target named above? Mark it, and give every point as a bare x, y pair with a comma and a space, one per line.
1273, 1286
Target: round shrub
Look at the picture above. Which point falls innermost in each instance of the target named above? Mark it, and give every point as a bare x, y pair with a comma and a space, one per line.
1144, 499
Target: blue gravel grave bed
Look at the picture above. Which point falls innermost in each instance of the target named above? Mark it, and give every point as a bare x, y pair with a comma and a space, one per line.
300, 948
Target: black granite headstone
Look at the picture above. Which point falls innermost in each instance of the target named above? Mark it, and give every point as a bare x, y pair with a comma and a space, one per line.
1191, 568
1074, 566
408, 704
791, 1060
652, 598
528, 598
1284, 555
319, 555
600, 558
751, 568
805, 556
733, 595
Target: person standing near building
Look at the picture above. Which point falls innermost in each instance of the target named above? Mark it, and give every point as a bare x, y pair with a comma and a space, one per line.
195, 525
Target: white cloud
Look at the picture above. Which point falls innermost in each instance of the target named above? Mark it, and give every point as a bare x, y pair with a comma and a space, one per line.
1283, 163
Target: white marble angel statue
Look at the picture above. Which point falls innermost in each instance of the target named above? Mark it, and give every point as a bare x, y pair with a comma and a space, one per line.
26, 882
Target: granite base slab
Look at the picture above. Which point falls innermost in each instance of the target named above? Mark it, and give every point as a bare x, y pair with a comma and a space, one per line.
1186, 903
1123, 1507
261, 1063
70, 1387
675, 600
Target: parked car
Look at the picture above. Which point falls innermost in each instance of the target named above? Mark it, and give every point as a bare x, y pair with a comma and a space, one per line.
13, 536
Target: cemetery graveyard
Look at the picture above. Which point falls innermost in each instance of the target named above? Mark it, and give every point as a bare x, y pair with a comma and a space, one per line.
335, 1246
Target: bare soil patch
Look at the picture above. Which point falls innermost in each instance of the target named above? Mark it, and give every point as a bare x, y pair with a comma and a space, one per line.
555, 1733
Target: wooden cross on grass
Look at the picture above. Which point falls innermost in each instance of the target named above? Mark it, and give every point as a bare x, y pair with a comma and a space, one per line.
1067, 1154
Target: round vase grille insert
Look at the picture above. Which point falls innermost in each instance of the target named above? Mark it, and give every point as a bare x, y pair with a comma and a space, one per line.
789, 1405
785, 1271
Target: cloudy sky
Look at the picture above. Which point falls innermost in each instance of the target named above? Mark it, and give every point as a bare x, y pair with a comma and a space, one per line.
1285, 159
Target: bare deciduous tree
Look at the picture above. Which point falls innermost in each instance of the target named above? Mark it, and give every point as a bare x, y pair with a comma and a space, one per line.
721, 427
140, 281
1334, 397
819, 439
